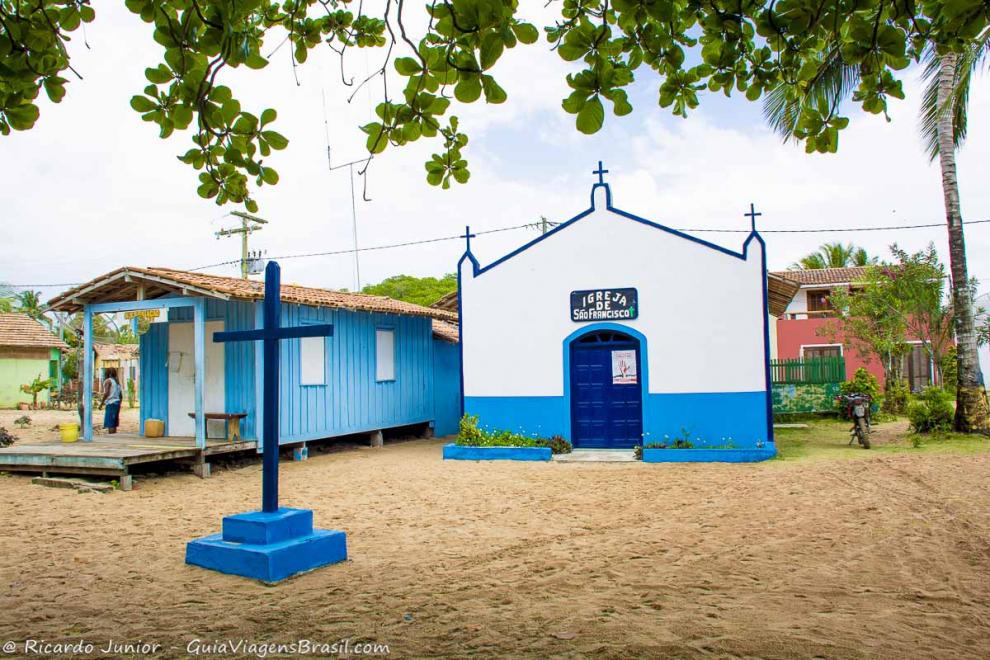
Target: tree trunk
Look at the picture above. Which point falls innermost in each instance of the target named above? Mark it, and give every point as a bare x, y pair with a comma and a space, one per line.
971, 401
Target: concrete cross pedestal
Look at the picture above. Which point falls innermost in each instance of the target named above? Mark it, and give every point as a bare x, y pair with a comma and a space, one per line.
276, 542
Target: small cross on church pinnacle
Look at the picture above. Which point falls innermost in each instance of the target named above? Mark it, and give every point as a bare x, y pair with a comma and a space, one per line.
752, 215
601, 171
467, 235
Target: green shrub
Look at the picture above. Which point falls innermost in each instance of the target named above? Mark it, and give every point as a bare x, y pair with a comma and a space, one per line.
950, 370
6, 439
895, 397
638, 452
679, 443
932, 411
862, 382
468, 432
558, 445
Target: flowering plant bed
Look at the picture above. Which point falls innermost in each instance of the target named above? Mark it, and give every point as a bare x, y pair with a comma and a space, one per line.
652, 455
477, 444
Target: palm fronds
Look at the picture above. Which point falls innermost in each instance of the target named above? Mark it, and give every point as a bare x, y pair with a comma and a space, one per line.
958, 103
834, 81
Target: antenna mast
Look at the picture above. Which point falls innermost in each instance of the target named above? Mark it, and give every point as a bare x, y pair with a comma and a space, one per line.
350, 166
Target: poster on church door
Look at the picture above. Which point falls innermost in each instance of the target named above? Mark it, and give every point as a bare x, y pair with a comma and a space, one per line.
624, 368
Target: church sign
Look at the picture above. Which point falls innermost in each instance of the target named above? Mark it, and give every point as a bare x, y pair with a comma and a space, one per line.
604, 305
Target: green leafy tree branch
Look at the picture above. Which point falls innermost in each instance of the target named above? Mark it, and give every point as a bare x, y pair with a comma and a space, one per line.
752, 47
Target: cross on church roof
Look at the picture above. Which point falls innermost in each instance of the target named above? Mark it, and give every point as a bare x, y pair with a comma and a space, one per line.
752, 215
468, 236
601, 171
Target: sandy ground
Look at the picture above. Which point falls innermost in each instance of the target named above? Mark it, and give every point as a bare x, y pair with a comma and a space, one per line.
882, 557
44, 422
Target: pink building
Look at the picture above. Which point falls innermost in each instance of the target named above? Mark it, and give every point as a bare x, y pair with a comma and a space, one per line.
802, 331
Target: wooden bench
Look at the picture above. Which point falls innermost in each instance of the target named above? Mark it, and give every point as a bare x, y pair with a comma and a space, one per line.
231, 423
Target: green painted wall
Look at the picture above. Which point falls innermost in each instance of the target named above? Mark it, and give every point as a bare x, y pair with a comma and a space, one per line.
15, 372
804, 397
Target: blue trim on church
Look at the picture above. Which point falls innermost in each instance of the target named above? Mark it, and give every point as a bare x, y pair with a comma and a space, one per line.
713, 419
479, 270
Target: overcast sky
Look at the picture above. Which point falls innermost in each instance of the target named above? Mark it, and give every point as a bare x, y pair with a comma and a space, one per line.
92, 187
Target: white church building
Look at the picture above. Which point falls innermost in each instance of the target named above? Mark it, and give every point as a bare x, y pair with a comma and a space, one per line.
614, 331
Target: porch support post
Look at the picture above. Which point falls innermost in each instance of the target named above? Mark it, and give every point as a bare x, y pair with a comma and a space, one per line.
259, 374
199, 333
87, 393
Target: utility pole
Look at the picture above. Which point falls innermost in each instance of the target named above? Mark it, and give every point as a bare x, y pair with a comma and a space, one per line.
544, 228
244, 230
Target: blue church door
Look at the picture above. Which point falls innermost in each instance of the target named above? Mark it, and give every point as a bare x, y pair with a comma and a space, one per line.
606, 392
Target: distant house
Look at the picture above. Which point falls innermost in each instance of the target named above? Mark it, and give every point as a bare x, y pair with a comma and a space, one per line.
388, 364
28, 350
798, 331
125, 358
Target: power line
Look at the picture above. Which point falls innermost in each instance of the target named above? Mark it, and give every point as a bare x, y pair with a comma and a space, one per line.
372, 248
830, 231
539, 225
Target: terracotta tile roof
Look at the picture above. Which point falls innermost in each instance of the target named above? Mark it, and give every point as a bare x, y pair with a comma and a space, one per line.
780, 292
120, 285
22, 330
445, 331
117, 351
448, 302
824, 275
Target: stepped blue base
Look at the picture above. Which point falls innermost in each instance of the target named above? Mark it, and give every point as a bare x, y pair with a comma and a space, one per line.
465, 453
268, 546
708, 455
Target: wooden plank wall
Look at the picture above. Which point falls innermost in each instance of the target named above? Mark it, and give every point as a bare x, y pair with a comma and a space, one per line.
447, 387
350, 401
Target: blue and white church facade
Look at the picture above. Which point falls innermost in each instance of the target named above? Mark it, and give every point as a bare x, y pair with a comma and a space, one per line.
613, 331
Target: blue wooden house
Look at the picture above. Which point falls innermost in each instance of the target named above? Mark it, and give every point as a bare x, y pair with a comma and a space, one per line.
389, 364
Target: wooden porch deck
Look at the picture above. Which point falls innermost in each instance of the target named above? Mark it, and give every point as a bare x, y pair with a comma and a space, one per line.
112, 455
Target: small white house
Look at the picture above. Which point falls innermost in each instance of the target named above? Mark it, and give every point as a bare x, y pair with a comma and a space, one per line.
615, 331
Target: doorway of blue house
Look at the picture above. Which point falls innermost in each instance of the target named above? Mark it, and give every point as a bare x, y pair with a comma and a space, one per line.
606, 392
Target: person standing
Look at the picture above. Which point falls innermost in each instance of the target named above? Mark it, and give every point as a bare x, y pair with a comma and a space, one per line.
111, 392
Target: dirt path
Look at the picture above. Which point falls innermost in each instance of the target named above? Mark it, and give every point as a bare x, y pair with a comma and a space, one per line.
886, 556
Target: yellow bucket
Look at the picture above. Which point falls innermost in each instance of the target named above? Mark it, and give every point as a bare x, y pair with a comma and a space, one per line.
69, 432
154, 428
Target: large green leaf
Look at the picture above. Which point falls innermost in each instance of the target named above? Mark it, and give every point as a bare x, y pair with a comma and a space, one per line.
491, 50
591, 117
468, 90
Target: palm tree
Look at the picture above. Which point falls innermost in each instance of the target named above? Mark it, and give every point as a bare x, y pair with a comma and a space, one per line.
29, 302
943, 126
944, 113
834, 255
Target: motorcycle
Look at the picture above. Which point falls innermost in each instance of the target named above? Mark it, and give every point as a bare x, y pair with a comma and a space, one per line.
858, 409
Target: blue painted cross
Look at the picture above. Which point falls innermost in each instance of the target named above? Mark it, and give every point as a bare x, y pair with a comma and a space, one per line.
601, 172
270, 334
468, 236
752, 215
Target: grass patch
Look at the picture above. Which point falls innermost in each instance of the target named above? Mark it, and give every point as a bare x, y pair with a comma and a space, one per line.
829, 439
